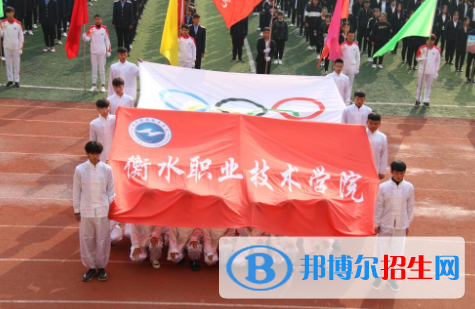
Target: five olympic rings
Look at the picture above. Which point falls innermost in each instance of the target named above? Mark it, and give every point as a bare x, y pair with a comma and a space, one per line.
260, 111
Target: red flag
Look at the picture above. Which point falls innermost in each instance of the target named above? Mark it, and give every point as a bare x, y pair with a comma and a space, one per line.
332, 46
231, 170
345, 9
78, 19
234, 11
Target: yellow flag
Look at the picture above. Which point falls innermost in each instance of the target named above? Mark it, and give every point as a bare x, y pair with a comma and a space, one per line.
169, 45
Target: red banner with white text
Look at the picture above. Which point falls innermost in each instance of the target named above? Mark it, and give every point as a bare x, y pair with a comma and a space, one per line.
213, 170
233, 11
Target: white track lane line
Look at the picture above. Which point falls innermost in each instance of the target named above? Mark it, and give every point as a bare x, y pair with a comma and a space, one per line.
250, 56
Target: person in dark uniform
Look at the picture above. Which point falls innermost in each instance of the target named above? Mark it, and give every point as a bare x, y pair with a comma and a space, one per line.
28, 20
49, 20
397, 19
198, 33
355, 9
439, 26
450, 37
363, 17
380, 36
316, 31
280, 33
265, 15
469, 71
461, 44
323, 33
62, 26
369, 30
188, 20
238, 33
265, 51
414, 42
312, 12
123, 21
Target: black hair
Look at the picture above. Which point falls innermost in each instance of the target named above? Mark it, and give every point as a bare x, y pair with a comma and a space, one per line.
351, 31
101, 103
360, 94
185, 26
196, 15
266, 29
122, 50
280, 13
94, 147
339, 60
118, 82
374, 117
9, 9
398, 166
97, 15
328, 16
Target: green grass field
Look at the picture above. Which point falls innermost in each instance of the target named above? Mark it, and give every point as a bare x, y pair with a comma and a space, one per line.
394, 84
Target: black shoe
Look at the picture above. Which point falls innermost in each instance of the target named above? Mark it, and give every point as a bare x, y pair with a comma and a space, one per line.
195, 266
240, 60
101, 274
451, 63
473, 81
393, 285
460, 70
418, 103
9, 84
232, 60
446, 62
377, 283
17, 85
426, 104
409, 68
468, 81
89, 275
181, 262
403, 61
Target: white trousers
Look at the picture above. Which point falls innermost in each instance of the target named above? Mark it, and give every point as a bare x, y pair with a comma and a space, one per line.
351, 76
390, 242
424, 80
94, 242
193, 254
155, 252
12, 62
98, 61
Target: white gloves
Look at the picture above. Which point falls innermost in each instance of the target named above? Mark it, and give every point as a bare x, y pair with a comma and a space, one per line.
357, 71
108, 54
20, 51
436, 74
267, 59
84, 36
267, 50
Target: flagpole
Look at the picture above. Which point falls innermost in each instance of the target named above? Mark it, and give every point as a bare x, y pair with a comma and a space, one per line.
427, 55
270, 36
84, 57
1, 61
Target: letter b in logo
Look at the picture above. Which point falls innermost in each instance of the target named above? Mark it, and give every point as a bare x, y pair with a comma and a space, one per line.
266, 267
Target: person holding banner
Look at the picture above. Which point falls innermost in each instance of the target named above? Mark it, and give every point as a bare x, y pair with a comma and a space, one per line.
429, 57
181, 237
145, 237
211, 239
125, 70
119, 98
265, 51
357, 113
342, 81
93, 192
12, 34
378, 142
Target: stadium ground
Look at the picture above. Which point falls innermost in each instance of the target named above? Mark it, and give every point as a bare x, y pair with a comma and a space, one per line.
389, 91
41, 143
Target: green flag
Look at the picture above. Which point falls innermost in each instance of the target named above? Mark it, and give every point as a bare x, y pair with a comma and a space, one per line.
1, 10
420, 24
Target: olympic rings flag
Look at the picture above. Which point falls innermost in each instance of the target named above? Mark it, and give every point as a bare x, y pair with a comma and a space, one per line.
208, 170
275, 96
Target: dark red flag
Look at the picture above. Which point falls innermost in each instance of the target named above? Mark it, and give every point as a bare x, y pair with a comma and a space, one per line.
78, 19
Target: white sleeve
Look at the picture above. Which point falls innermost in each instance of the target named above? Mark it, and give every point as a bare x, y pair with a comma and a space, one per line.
107, 42
157, 231
92, 133
87, 38
207, 247
110, 89
358, 56
378, 208
193, 51
347, 97
383, 162
173, 242
134, 236
21, 38
344, 116
136, 71
110, 186
410, 206
77, 190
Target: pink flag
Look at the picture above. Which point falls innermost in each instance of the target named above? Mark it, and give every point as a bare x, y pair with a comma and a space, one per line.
332, 45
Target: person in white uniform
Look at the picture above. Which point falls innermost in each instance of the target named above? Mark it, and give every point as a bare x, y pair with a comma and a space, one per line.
98, 35
12, 34
393, 214
125, 70
429, 58
186, 48
342, 81
102, 130
119, 98
185, 237
357, 113
146, 238
350, 53
378, 142
93, 192
211, 239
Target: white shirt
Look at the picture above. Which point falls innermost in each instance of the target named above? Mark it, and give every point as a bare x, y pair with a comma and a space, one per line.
433, 59
394, 205
141, 233
354, 115
12, 34
186, 52
128, 72
93, 190
351, 56
99, 38
343, 84
383, 7
116, 101
211, 239
179, 237
379, 147
102, 130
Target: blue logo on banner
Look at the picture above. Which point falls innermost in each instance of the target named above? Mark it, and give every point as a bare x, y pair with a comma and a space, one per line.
150, 132
265, 267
